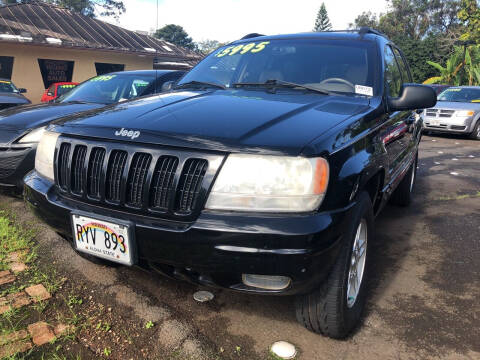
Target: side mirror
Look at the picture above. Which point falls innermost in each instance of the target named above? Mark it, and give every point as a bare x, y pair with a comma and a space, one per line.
413, 97
22, 90
167, 85
49, 94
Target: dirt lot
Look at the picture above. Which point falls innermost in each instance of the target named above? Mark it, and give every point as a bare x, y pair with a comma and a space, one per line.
425, 287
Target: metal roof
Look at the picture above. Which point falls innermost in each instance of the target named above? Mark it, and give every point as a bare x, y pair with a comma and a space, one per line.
50, 25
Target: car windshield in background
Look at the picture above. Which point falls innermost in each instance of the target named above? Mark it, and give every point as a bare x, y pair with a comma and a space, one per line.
109, 89
460, 95
7, 87
340, 66
63, 89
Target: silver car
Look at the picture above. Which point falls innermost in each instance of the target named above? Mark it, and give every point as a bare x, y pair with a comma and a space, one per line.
457, 111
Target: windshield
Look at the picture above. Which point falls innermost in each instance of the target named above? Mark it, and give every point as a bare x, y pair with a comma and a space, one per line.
333, 65
63, 89
109, 89
460, 95
6, 86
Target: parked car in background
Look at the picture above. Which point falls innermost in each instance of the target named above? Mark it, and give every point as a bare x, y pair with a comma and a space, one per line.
22, 127
457, 111
10, 95
439, 87
57, 89
260, 172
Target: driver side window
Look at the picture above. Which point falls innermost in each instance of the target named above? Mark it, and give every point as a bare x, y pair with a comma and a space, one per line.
393, 79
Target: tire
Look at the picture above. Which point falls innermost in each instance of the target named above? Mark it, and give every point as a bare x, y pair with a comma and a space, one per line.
403, 194
475, 134
327, 310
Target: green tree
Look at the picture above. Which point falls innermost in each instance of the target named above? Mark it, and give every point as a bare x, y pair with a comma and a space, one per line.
365, 19
322, 23
423, 29
461, 68
469, 14
207, 46
176, 35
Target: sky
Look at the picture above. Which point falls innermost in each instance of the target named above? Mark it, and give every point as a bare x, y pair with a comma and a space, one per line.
228, 20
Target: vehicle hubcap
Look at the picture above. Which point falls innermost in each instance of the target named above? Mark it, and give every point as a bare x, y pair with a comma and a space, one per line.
478, 132
357, 263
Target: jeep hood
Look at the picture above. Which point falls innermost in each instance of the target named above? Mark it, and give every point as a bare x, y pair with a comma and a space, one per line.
223, 120
17, 120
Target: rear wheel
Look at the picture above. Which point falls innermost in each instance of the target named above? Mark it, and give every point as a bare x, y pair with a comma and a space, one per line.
475, 135
334, 309
403, 194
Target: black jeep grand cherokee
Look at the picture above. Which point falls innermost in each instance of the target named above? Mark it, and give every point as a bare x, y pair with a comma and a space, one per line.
261, 171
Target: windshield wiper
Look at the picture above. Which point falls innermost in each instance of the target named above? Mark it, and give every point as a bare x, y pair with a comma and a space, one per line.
280, 83
200, 83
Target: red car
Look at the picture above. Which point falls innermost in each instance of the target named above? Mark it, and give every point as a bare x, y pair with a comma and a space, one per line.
57, 89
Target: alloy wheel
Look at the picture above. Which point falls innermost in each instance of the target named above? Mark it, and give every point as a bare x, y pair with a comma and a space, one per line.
357, 263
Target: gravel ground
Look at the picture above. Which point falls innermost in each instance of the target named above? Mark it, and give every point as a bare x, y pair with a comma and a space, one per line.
424, 299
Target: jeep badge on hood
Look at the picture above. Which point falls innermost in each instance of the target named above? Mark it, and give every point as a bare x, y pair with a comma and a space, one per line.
128, 133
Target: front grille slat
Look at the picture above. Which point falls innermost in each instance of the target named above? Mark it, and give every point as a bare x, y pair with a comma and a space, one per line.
167, 183
162, 187
136, 179
63, 159
114, 175
190, 183
77, 181
95, 165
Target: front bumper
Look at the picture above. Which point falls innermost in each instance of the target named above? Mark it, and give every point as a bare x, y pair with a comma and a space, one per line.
459, 125
217, 248
15, 163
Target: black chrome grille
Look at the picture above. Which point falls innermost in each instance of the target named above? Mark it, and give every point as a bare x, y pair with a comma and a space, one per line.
116, 166
136, 178
162, 183
190, 181
146, 180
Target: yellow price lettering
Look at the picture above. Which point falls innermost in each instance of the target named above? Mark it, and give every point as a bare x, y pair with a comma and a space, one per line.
243, 49
260, 47
236, 49
247, 48
224, 51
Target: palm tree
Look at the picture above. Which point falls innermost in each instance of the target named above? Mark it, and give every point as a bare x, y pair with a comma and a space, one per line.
449, 74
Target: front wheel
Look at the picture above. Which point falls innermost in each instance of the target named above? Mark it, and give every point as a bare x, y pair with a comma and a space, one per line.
475, 135
335, 308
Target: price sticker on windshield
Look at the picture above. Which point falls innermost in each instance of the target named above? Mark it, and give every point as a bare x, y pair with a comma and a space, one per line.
67, 86
103, 78
241, 49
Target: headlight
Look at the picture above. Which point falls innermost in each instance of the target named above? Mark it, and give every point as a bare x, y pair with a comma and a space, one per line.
33, 136
45, 154
464, 113
270, 184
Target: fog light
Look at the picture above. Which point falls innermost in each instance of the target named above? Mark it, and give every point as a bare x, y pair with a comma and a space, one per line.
266, 281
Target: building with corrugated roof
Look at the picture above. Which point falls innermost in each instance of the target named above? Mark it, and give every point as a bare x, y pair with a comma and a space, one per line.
42, 43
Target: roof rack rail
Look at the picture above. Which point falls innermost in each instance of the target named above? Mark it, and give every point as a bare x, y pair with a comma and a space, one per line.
252, 35
362, 31
368, 30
